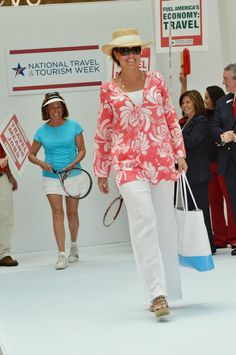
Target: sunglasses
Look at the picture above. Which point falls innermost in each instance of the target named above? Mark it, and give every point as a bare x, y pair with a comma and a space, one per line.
127, 50
49, 94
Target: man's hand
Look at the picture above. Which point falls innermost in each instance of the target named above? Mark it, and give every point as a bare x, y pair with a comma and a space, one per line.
3, 162
227, 137
13, 182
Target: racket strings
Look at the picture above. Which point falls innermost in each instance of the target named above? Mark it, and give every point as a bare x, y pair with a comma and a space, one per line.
77, 183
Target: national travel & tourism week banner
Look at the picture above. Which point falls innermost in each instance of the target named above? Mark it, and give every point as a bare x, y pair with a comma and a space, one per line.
37, 70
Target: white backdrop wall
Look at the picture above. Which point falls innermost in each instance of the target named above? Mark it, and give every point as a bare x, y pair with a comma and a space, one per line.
91, 23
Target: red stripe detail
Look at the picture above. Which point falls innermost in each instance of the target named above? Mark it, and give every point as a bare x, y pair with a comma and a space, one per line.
56, 49
56, 86
234, 106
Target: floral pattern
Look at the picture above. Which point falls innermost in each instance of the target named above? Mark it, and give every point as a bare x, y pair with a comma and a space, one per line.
139, 142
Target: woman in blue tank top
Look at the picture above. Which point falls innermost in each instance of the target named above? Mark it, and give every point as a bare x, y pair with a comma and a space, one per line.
63, 143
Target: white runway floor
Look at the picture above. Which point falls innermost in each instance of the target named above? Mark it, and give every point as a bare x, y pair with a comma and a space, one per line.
96, 307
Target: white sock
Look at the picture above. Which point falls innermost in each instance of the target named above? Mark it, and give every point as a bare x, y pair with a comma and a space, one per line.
62, 253
73, 244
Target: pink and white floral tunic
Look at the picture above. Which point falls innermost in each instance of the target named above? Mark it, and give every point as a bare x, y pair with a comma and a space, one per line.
139, 142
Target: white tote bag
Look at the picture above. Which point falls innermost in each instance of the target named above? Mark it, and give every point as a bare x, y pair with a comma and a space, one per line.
193, 242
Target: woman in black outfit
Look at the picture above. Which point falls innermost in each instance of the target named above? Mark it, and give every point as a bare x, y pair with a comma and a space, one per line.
196, 132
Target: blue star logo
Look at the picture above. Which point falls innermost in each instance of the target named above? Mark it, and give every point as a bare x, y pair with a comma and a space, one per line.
19, 70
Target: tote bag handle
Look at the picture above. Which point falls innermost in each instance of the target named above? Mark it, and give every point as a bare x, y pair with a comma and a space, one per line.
182, 186
180, 193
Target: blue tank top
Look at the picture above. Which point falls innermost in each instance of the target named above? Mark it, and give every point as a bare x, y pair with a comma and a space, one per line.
59, 144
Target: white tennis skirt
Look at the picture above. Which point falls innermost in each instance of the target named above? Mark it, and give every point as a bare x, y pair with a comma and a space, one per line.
53, 186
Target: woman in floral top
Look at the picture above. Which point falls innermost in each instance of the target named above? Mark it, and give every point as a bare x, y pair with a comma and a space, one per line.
138, 135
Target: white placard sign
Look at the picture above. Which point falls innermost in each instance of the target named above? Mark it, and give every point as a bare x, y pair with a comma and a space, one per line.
187, 21
38, 70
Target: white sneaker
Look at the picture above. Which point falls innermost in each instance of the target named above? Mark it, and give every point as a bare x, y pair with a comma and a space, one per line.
61, 262
74, 254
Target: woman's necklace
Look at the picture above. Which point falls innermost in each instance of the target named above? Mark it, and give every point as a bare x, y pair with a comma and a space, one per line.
134, 85
122, 85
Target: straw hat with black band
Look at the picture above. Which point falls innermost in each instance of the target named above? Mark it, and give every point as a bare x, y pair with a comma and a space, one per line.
126, 37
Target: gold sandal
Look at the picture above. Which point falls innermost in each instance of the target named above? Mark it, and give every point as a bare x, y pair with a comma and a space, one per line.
160, 306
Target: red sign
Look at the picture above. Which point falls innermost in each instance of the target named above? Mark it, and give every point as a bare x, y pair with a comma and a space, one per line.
15, 143
181, 23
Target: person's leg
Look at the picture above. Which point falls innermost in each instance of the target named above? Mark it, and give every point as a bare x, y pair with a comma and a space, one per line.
73, 217
6, 216
73, 223
162, 195
144, 235
230, 179
216, 202
231, 230
56, 203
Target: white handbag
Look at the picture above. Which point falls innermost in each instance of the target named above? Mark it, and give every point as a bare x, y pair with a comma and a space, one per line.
193, 242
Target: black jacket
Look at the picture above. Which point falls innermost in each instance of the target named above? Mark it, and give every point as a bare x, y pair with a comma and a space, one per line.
223, 121
196, 140
212, 147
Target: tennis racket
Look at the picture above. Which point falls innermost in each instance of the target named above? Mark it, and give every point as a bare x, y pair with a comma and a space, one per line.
112, 211
77, 183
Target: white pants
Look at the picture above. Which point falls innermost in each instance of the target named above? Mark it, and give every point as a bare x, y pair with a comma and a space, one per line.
153, 233
6, 216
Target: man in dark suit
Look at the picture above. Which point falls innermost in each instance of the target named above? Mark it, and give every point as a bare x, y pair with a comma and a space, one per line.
224, 134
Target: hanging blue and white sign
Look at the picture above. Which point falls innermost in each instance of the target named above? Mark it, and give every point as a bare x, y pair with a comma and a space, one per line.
38, 70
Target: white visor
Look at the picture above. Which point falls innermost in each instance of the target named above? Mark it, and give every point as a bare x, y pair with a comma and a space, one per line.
50, 101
